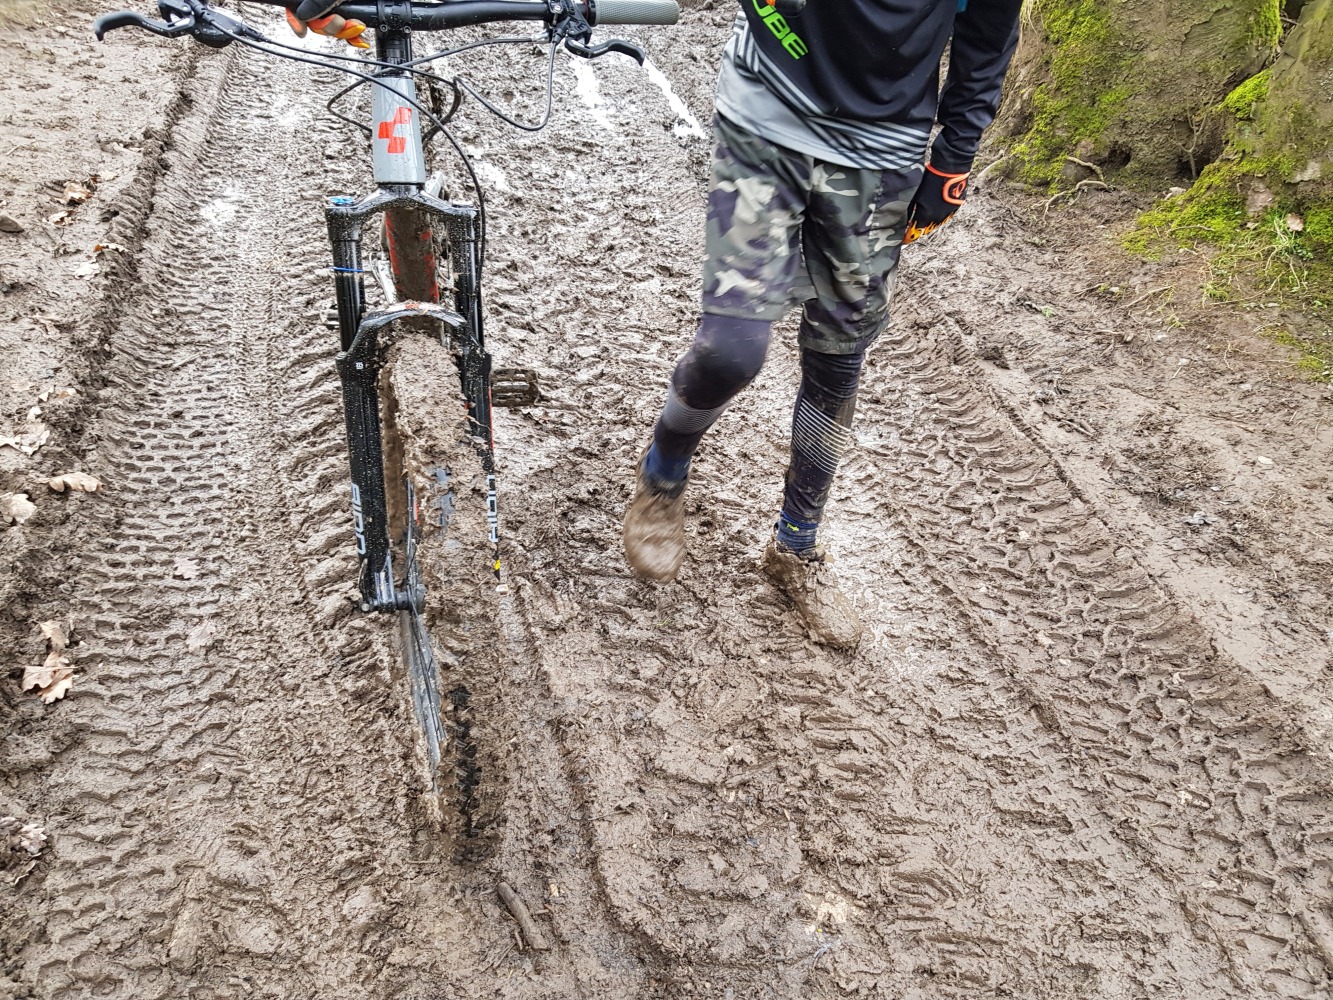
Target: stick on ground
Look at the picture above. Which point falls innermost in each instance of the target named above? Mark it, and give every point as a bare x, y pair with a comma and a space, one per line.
531, 932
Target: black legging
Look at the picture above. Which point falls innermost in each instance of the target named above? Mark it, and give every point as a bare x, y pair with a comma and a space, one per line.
725, 357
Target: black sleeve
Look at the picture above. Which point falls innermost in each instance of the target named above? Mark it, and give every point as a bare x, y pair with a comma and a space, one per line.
984, 35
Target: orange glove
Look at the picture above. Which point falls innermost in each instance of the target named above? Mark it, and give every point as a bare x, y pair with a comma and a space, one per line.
333, 25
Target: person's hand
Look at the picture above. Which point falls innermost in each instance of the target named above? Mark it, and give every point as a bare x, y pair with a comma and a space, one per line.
333, 25
937, 199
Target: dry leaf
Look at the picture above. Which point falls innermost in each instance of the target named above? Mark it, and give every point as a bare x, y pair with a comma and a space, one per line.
186, 569
100, 248
76, 193
55, 676
55, 633
16, 508
87, 269
15, 835
75, 482
29, 442
62, 218
1295, 223
33, 413
200, 637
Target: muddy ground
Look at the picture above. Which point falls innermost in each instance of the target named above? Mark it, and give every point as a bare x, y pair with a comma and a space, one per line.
1089, 523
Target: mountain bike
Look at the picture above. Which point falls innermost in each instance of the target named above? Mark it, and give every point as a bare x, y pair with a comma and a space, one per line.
430, 271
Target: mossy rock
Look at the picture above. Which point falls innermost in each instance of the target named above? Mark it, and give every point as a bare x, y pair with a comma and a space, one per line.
1128, 84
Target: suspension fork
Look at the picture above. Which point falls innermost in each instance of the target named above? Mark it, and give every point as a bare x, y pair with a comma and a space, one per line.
360, 363
474, 367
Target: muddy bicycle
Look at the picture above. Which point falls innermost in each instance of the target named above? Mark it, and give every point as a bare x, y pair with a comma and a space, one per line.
427, 263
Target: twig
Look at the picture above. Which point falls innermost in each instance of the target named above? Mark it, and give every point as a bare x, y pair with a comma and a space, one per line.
1073, 192
535, 938
1090, 166
1147, 295
984, 176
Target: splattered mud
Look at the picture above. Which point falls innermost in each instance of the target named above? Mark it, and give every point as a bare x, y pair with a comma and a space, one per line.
1082, 755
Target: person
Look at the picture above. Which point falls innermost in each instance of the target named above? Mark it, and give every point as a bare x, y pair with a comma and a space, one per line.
823, 119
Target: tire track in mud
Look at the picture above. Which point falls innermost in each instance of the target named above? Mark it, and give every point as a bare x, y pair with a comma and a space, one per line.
1205, 778
239, 784
938, 816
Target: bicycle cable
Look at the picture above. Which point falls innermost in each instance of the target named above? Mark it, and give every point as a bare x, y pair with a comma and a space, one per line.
442, 54
329, 60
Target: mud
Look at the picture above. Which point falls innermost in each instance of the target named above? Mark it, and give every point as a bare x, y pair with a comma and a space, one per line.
1081, 754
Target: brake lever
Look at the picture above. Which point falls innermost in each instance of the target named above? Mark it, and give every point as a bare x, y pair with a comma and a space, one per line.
614, 45
210, 26
133, 19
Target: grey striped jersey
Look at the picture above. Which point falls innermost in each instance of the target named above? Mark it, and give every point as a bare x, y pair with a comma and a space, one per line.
753, 93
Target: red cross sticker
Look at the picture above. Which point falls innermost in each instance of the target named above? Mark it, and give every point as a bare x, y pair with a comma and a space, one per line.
389, 130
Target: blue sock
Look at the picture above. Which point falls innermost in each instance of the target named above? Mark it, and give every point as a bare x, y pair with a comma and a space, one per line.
796, 536
666, 472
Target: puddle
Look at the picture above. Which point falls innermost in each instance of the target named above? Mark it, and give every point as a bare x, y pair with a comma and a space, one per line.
221, 211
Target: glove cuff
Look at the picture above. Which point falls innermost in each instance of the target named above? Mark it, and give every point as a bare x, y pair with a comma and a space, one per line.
948, 161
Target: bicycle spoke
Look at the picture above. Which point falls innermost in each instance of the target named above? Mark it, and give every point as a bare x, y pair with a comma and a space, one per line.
421, 665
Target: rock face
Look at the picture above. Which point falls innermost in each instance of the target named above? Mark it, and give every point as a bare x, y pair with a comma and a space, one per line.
1293, 126
1128, 84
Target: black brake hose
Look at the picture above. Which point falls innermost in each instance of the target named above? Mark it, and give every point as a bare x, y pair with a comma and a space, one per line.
291, 52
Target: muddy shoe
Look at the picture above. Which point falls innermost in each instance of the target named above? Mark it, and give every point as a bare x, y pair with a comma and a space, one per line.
655, 529
809, 581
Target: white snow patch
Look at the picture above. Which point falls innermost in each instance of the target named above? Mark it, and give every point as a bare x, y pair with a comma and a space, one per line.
588, 91
686, 125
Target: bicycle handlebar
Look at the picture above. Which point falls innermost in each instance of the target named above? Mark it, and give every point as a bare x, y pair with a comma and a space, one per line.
404, 14
634, 11
456, 13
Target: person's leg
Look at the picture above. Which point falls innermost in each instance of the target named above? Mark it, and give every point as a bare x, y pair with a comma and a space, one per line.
821, 435
756, 204
725, 357
851, 240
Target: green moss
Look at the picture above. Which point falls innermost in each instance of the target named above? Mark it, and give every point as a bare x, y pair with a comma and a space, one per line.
1314, 352
1089, 72
1242, 101
1266, 26
1284, 253
1319, 230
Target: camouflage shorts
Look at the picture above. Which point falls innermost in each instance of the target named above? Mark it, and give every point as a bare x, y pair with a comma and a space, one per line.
770, 210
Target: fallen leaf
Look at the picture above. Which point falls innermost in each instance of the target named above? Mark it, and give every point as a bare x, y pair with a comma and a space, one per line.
186, 569
16, 508
20, 836
62, 218
75, 482
1295, 223
33, 413
55, 633
60, 688
64, 392
200, 637
28, 442
55, 676
76, 193
100, 248
87, 269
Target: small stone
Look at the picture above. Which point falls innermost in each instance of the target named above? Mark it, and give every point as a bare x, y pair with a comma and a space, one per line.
1264, 462
9, 224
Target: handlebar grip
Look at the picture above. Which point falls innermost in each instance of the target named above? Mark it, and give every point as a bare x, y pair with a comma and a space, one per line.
634, 11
